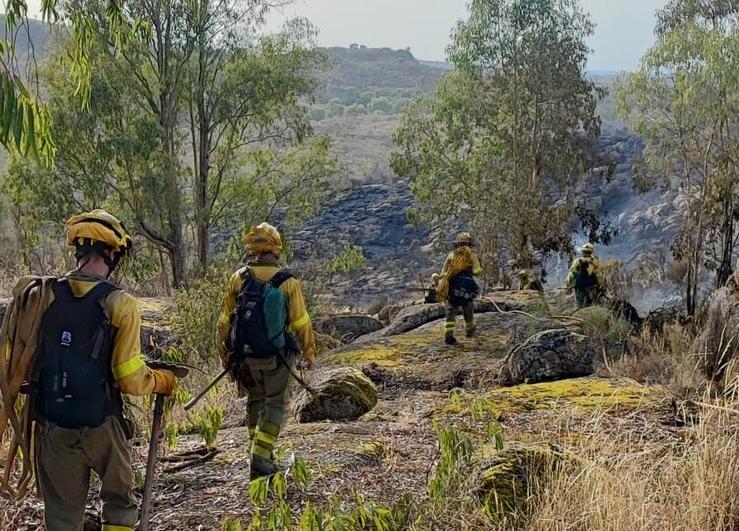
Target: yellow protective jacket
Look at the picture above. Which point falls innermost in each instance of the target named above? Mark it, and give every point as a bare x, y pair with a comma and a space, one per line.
297, 314
131, 375
18, 344
593, 268
460, 259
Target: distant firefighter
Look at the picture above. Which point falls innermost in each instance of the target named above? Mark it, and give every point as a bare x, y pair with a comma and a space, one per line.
585, 277
529, 281
432, 295
457, 286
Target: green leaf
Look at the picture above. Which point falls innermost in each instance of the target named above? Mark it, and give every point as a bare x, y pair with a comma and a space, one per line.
30, 130
8, 108
18, 125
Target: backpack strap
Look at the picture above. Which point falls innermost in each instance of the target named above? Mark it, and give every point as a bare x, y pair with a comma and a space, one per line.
98, 293
280, 278
101, 290
62, 290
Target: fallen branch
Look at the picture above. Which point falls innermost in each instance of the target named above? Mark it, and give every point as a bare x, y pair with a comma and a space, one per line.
184, 456
194, 462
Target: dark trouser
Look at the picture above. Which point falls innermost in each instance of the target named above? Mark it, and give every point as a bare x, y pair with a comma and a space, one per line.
64, 460
468, 310
266, 385
586, 296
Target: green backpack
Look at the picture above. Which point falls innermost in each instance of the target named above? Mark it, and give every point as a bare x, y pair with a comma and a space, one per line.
259, 327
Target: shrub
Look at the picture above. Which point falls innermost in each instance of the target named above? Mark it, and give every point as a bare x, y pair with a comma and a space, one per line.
207, 422
194, 316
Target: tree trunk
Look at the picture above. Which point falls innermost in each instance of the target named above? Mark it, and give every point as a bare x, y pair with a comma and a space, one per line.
727, 248
202, 197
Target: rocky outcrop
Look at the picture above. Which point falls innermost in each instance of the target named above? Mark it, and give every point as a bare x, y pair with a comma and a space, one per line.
340, 394
717, 346
549, 355
509, 479
416, 315
348, 327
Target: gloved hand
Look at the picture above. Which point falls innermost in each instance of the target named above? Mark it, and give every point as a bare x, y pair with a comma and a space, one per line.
308, 365
164, 382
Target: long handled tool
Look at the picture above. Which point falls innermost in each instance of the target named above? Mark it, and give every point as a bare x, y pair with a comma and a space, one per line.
151, 461
204, 392
156, 430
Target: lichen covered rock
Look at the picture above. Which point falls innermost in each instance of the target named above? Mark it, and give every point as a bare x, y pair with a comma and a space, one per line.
341, 394
348, 327
509, 480
412, 316
576, 395
549, 355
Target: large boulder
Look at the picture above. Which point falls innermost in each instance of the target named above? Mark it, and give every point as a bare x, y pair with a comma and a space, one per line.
348, 327
340, 394
717, 346
508, 480
549, 355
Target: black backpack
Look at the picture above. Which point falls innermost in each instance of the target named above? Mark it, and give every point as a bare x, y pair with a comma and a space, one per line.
583, 278
463, 289
74, 362
259, 322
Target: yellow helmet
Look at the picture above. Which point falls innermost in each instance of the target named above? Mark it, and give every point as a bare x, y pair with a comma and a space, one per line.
98, 226
465, 238
588, 248
263, 239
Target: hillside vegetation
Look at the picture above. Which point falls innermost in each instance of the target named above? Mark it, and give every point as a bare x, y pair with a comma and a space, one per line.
612, 408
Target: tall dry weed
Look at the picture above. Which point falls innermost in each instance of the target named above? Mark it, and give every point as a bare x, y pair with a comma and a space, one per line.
687, 486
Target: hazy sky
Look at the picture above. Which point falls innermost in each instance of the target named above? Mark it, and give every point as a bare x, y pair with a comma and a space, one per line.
623, 33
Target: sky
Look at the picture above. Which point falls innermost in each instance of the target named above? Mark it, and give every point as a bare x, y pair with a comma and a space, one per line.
624, 28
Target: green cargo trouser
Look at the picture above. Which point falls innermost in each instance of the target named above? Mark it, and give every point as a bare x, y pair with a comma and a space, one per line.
64, 459
468, 310
266, 384
586, 297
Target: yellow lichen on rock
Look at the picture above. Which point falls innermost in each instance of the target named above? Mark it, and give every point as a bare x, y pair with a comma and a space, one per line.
589, 392
577, 394
509, 480
387, 352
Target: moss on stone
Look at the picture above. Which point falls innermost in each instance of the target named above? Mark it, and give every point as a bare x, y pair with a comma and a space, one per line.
577, 393
510, 479
340, 394
373, 449
388, 352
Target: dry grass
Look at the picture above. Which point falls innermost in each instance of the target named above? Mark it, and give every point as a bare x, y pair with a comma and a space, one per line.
664, 360
688, 487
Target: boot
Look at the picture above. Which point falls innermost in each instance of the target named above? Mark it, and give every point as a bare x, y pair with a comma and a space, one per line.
261, 467
450, 340
471, 332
